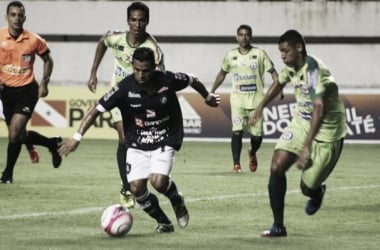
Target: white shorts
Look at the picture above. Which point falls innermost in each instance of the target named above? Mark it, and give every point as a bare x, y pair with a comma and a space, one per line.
142, 163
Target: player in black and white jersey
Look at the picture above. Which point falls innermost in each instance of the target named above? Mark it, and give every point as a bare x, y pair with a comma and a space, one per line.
153, 127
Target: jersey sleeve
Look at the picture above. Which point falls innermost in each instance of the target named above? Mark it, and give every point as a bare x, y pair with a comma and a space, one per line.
226, 63
283, 77
267, 62
109, 100
42, 47
179, 80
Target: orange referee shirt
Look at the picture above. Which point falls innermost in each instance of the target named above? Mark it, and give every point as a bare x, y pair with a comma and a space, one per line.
17, 57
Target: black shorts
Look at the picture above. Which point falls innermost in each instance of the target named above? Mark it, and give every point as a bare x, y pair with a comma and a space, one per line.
19, 100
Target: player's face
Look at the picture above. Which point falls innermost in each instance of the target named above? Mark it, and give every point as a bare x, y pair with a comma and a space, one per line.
143, 71
244, 38
137, 23
289, 54
16, 18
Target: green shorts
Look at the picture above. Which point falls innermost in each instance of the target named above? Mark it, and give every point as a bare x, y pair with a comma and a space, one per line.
240, 115
324, 155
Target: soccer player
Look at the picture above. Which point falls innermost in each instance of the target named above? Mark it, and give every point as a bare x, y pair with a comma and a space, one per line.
153, 126
314, 138
248, 65
123, 44
20, 91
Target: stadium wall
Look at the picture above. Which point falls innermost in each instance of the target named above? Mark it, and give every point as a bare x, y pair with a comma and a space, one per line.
194, 37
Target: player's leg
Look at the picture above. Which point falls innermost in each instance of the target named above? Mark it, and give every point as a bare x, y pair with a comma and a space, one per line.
237, 118
139, 171
324, 158
162, 163
52, 143
256, 140
16, 131
33, 153
286, 150
126, 197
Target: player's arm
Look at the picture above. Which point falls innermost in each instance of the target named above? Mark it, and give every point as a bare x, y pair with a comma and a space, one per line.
316, 121
274, 75
274, 90
72, 143
47, 70
219, 79
211, 99
101, 49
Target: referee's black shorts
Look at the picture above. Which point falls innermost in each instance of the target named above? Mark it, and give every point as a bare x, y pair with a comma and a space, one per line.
19, 100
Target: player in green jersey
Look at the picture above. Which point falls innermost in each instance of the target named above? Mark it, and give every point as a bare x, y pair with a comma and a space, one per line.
314, 138
248, 65
123, 44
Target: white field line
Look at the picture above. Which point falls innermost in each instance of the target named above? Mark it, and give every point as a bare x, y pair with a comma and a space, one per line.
189, 200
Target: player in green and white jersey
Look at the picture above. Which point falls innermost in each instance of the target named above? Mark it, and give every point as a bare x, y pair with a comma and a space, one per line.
314, 138
123, 45
248, 65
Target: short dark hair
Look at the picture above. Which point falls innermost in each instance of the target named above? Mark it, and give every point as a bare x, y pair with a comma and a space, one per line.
293, 37
244, 26
138, 6
15, 4
144, 54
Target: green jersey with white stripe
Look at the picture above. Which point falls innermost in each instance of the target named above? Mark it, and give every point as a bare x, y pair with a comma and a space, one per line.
311, 81
123, 51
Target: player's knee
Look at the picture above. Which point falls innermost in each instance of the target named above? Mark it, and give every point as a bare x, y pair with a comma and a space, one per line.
159, 182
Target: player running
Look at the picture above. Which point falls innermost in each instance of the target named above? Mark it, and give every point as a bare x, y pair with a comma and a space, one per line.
314, 138
153, 125
123, 44
247, 64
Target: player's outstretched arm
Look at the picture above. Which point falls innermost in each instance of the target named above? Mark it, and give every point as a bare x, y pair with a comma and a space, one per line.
274, 90
99, 53
211, 99
71, 144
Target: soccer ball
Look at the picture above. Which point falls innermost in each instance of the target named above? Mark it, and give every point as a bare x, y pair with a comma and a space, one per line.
116, 220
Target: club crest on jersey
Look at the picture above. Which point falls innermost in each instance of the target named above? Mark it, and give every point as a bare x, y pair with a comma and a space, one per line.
253, 65
236, 120
287, 135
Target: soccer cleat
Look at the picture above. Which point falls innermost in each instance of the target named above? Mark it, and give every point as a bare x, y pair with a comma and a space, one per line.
313, 204
275, 231
252, 161
4, 180
181, 213
164, 228
56, 158
236, 168
127, 199
34, 157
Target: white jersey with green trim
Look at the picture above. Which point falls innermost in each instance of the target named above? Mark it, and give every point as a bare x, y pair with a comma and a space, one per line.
247, 69
311, 81
123, 52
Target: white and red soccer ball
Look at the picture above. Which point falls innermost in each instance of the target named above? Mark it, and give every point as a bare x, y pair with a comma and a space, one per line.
116, 220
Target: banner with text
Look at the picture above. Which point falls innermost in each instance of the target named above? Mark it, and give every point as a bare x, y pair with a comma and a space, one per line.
62, 111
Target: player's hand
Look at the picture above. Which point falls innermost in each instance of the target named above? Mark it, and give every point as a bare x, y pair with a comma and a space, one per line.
68, 146
92, 82
255, 116
281, 95
43, 89
304, 161
212, 100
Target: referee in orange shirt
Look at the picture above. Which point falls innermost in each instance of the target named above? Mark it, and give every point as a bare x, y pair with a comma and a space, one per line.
19, 89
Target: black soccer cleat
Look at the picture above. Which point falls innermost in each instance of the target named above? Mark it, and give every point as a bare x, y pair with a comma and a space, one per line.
55, 157
275, 231
313, 204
